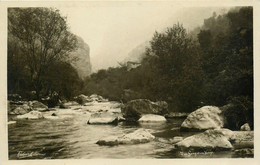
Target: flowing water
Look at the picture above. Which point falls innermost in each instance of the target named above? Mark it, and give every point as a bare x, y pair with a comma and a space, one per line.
71, 137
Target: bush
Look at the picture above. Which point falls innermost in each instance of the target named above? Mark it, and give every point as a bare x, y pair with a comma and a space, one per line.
239, 112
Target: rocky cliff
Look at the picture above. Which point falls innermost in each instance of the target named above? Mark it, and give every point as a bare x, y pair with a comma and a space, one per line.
81, 60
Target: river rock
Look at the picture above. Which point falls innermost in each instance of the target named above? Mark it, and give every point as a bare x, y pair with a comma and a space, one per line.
23, 107
136, 137
97, 98
31, 115
210, 140
110, 106
207, 117
245, 127
136, 108
103, 118
176, 114
82, 99
218, 139
20, 110
18, 107
38, 106
152, 118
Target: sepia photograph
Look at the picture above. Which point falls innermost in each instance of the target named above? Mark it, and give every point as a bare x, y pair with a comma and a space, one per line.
129, 80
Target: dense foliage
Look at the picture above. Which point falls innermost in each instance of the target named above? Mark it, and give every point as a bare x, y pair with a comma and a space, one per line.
239, 111
38, 46
216, 68
227, 60
227, 56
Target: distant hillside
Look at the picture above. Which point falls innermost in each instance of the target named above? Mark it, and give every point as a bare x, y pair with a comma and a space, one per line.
82, 62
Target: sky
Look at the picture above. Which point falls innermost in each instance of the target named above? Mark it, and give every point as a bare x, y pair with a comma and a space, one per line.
112, 30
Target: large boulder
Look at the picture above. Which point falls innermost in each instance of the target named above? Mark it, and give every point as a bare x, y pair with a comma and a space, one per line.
136, 137
136, 108
218, 139
103, 118
210, 140
207, 117
152, 118
81, 99
38, 106
31, 115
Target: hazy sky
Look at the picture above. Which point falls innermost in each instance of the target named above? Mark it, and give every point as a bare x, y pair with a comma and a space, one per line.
112, 30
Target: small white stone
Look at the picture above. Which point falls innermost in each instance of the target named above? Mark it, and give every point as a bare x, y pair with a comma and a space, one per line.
152, 118
245, 127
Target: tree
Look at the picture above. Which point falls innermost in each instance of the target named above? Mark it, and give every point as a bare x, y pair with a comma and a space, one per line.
17, 73
63, 79
43, 38
178, 65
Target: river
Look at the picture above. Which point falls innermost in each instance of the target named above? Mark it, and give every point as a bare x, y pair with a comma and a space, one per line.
70, 137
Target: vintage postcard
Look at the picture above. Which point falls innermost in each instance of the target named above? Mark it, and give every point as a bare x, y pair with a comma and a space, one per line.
107, 82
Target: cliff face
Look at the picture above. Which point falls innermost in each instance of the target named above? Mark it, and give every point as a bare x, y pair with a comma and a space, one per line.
82, 60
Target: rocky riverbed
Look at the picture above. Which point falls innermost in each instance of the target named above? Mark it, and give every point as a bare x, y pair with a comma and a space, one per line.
98, 128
